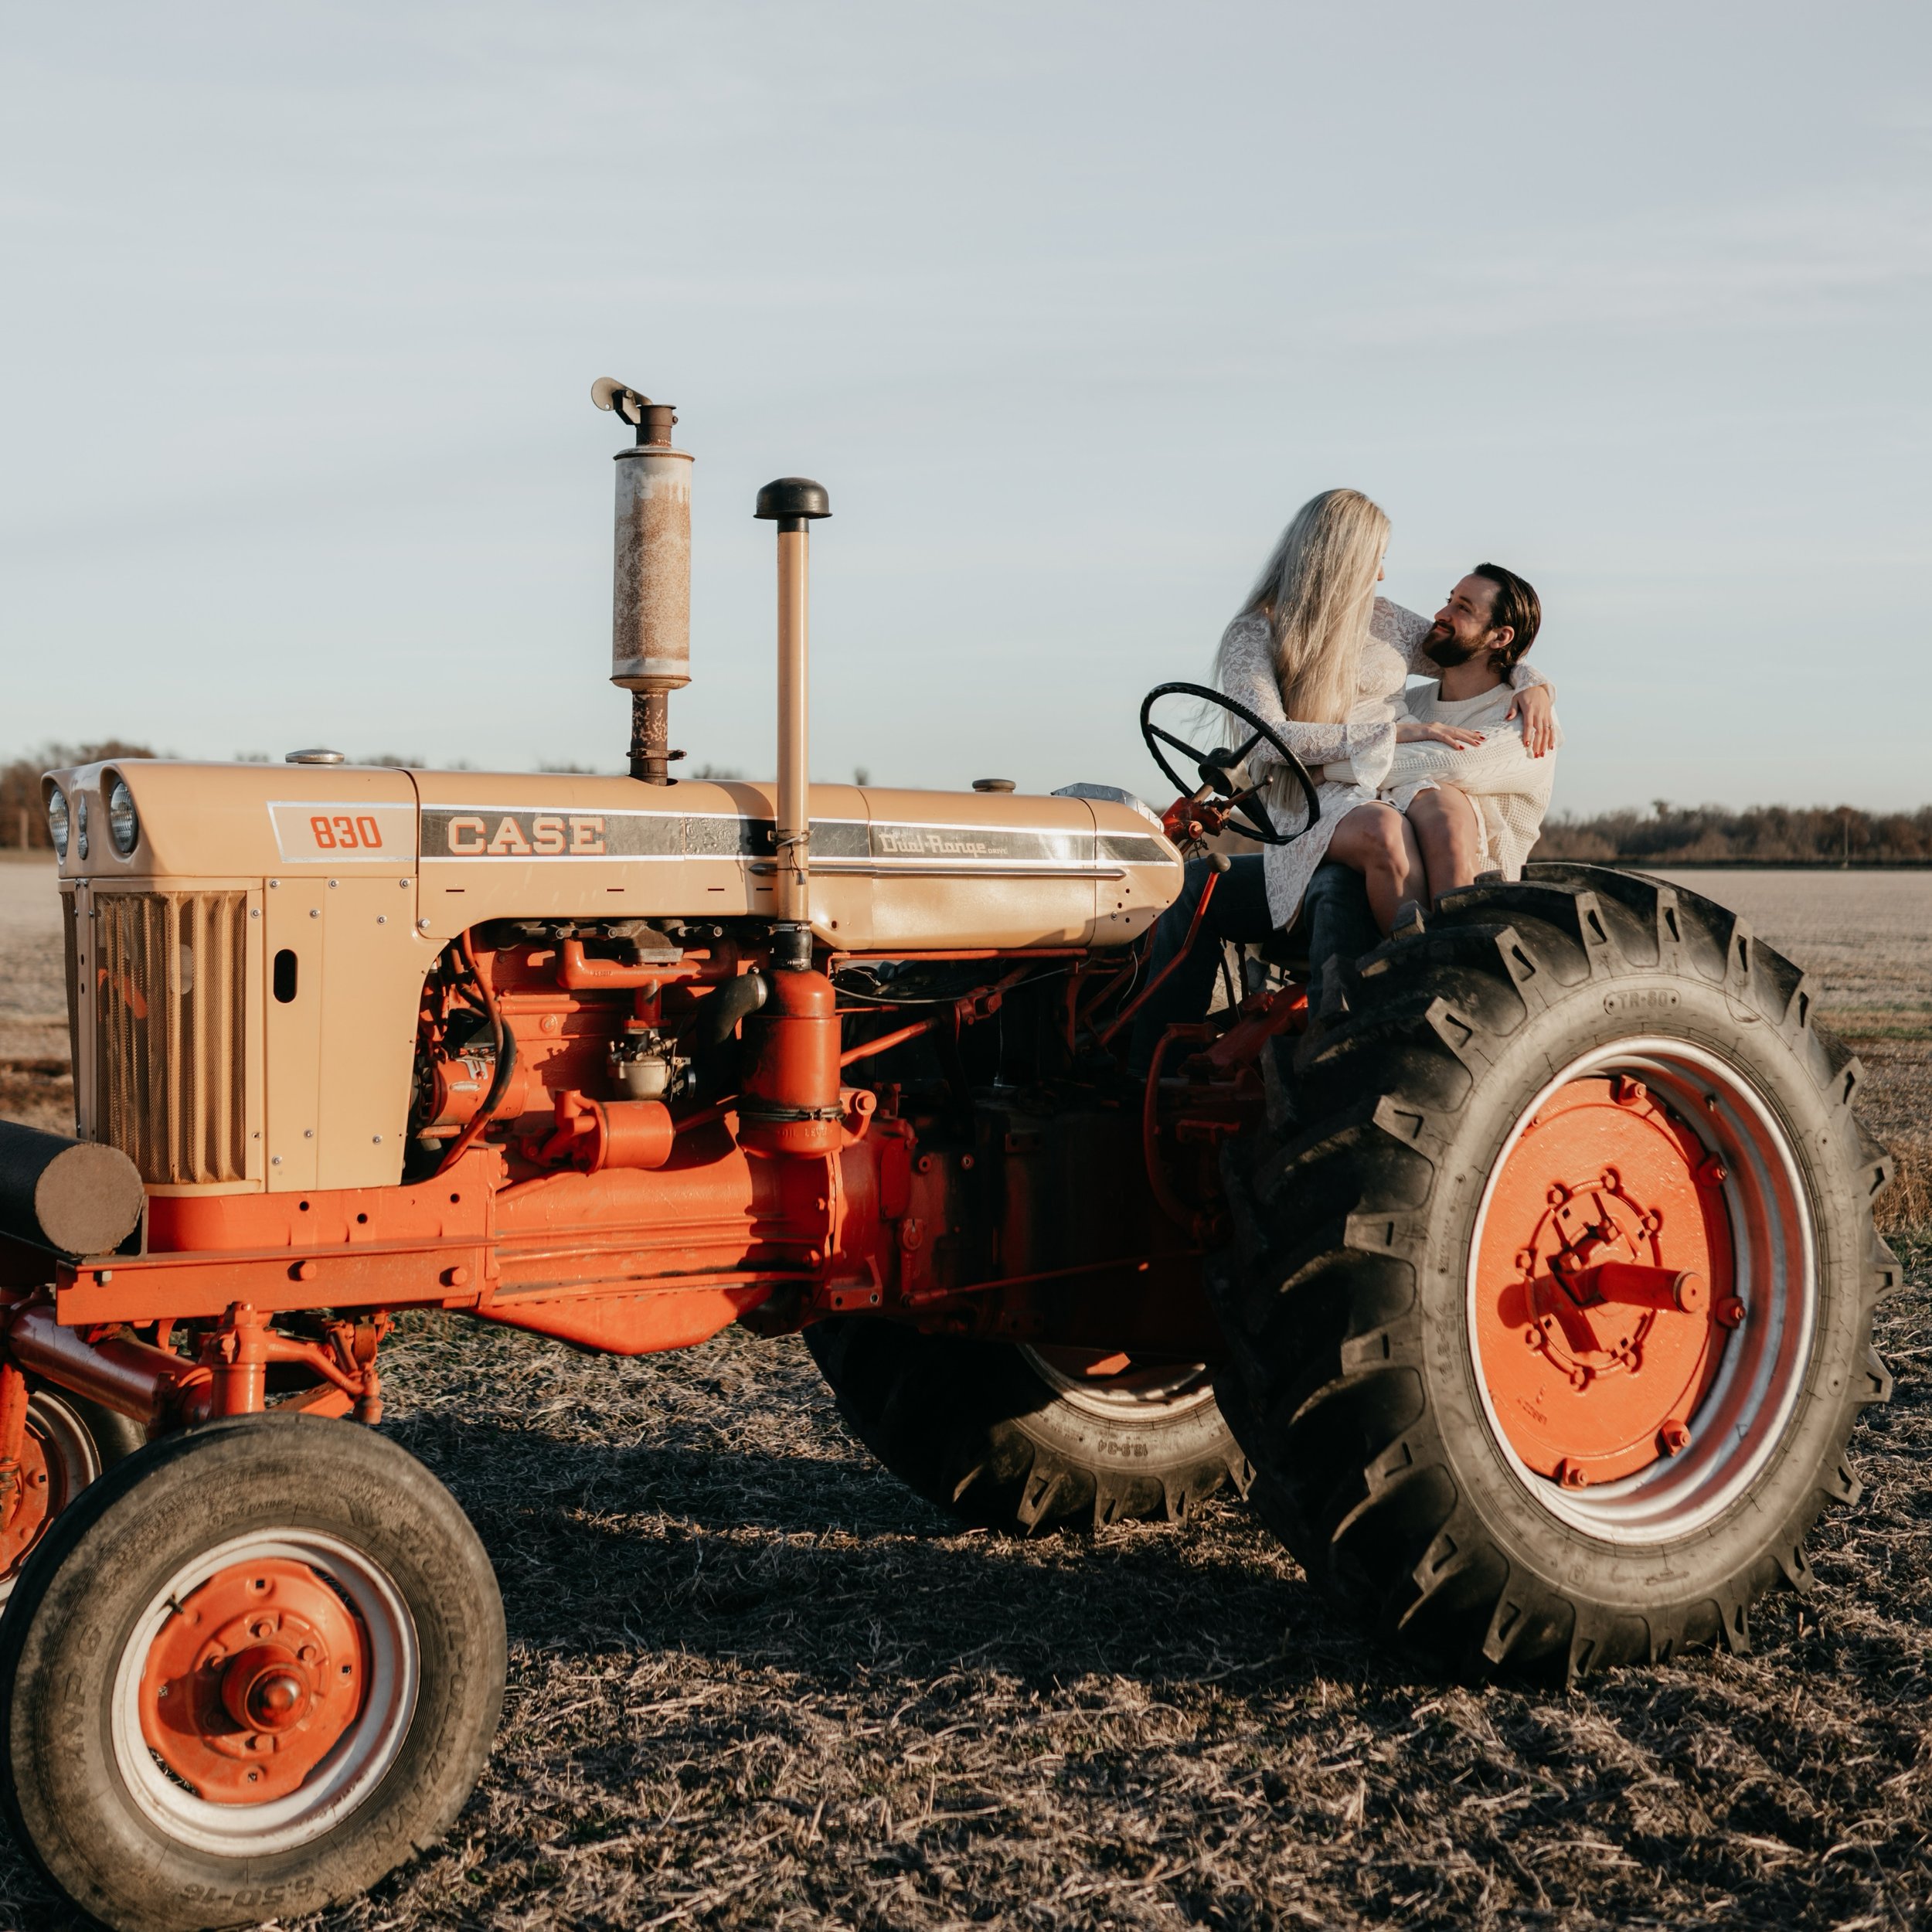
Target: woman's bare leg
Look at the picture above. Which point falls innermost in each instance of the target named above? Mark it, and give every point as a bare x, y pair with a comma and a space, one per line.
1450, 834
1380, 843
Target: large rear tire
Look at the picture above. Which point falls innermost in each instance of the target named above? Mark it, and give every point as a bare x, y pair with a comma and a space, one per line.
1553, 1318
248, 1672
1013, 1437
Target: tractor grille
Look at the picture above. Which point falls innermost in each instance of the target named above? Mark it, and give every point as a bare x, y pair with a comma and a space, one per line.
168, 1018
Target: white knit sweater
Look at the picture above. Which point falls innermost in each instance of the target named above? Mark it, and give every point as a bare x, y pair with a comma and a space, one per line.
1509, 789
1365, 742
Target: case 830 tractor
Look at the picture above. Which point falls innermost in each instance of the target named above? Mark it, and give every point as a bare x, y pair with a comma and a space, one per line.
1529, 1277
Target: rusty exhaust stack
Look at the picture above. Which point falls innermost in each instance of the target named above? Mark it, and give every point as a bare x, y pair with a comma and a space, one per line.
792, 503
650, 580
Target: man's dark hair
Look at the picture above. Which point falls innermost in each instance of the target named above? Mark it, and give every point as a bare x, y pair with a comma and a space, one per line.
1515, 605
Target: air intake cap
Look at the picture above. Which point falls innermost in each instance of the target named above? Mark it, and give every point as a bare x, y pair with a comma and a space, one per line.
791, 498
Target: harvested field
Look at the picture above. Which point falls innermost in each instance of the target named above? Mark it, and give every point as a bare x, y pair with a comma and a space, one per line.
755, 1682
1866, 937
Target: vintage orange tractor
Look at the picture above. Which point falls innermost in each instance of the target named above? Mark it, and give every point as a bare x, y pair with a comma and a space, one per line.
1529, 1275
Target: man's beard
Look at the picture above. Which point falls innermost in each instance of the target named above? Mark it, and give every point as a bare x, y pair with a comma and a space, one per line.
1447, 650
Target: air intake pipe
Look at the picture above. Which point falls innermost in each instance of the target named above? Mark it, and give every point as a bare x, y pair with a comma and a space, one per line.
789, 1101
650, 575
793, 503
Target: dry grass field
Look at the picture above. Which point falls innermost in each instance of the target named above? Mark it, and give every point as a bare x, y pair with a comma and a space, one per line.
756, 1683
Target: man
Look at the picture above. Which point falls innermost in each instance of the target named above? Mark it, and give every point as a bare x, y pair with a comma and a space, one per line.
1473, 789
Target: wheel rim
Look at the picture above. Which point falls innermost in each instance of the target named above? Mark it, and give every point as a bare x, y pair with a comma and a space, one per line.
58, 1460
1115, 1386
1642, 1290
264, 1692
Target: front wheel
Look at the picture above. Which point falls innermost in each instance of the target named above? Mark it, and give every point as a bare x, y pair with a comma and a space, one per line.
248, 1673
1554, 1321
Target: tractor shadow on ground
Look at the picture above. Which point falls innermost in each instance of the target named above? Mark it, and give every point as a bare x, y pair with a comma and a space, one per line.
829, 1565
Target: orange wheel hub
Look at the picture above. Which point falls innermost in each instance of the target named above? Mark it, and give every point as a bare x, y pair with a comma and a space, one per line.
27, 1517
251, 1682
1603, 1284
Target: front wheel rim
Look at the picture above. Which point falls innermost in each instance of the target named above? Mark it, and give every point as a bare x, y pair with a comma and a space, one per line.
339, 1588
1737, 1210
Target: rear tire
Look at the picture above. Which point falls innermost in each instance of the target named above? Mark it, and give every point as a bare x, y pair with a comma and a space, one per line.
342, 1582
1458, 1428
1010, 1437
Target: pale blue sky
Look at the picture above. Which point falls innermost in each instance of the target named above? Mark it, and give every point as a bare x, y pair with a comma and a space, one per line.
1068, 306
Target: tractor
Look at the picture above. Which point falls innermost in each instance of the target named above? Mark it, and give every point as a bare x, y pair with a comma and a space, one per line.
1522, 1278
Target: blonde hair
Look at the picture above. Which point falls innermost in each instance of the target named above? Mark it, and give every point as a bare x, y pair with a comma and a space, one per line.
1316, 591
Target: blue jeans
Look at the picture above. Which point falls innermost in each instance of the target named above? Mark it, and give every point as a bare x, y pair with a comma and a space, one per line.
1335, 914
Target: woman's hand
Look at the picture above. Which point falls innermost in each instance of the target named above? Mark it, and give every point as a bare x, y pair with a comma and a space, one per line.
1455, 737
1536, 706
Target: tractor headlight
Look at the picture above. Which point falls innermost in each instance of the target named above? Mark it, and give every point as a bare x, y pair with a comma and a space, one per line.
57, 822
122, 823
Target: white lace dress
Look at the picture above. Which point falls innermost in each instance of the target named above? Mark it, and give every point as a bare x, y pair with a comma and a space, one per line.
1366, 739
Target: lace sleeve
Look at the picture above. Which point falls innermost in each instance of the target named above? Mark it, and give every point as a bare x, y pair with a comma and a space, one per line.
1403, 630
1247, 676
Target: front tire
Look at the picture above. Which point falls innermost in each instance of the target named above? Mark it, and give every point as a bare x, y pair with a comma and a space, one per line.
1013, 1437
247, 1674
1554, 1320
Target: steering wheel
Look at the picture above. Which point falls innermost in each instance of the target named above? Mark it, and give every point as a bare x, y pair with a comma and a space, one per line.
1225, 772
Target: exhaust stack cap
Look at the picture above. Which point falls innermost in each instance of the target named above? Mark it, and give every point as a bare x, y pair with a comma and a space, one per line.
316, 755
793, 499
652, 421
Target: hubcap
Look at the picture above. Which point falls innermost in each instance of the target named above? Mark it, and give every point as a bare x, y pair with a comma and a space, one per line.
1642, 1290
1605, 1231
251, 1682
264, 1692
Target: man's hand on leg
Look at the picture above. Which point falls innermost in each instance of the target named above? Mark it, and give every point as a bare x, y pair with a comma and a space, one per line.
1450, 835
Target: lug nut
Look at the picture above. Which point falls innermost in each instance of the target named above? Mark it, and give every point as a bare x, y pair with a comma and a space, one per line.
1629, 1093
1713, 1172
1674, 1438
1572, 1475
1730, 1311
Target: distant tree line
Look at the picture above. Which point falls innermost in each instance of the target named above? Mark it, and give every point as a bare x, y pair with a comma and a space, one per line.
1757, 835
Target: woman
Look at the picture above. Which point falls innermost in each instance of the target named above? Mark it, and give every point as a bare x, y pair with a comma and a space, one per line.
1324, 661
